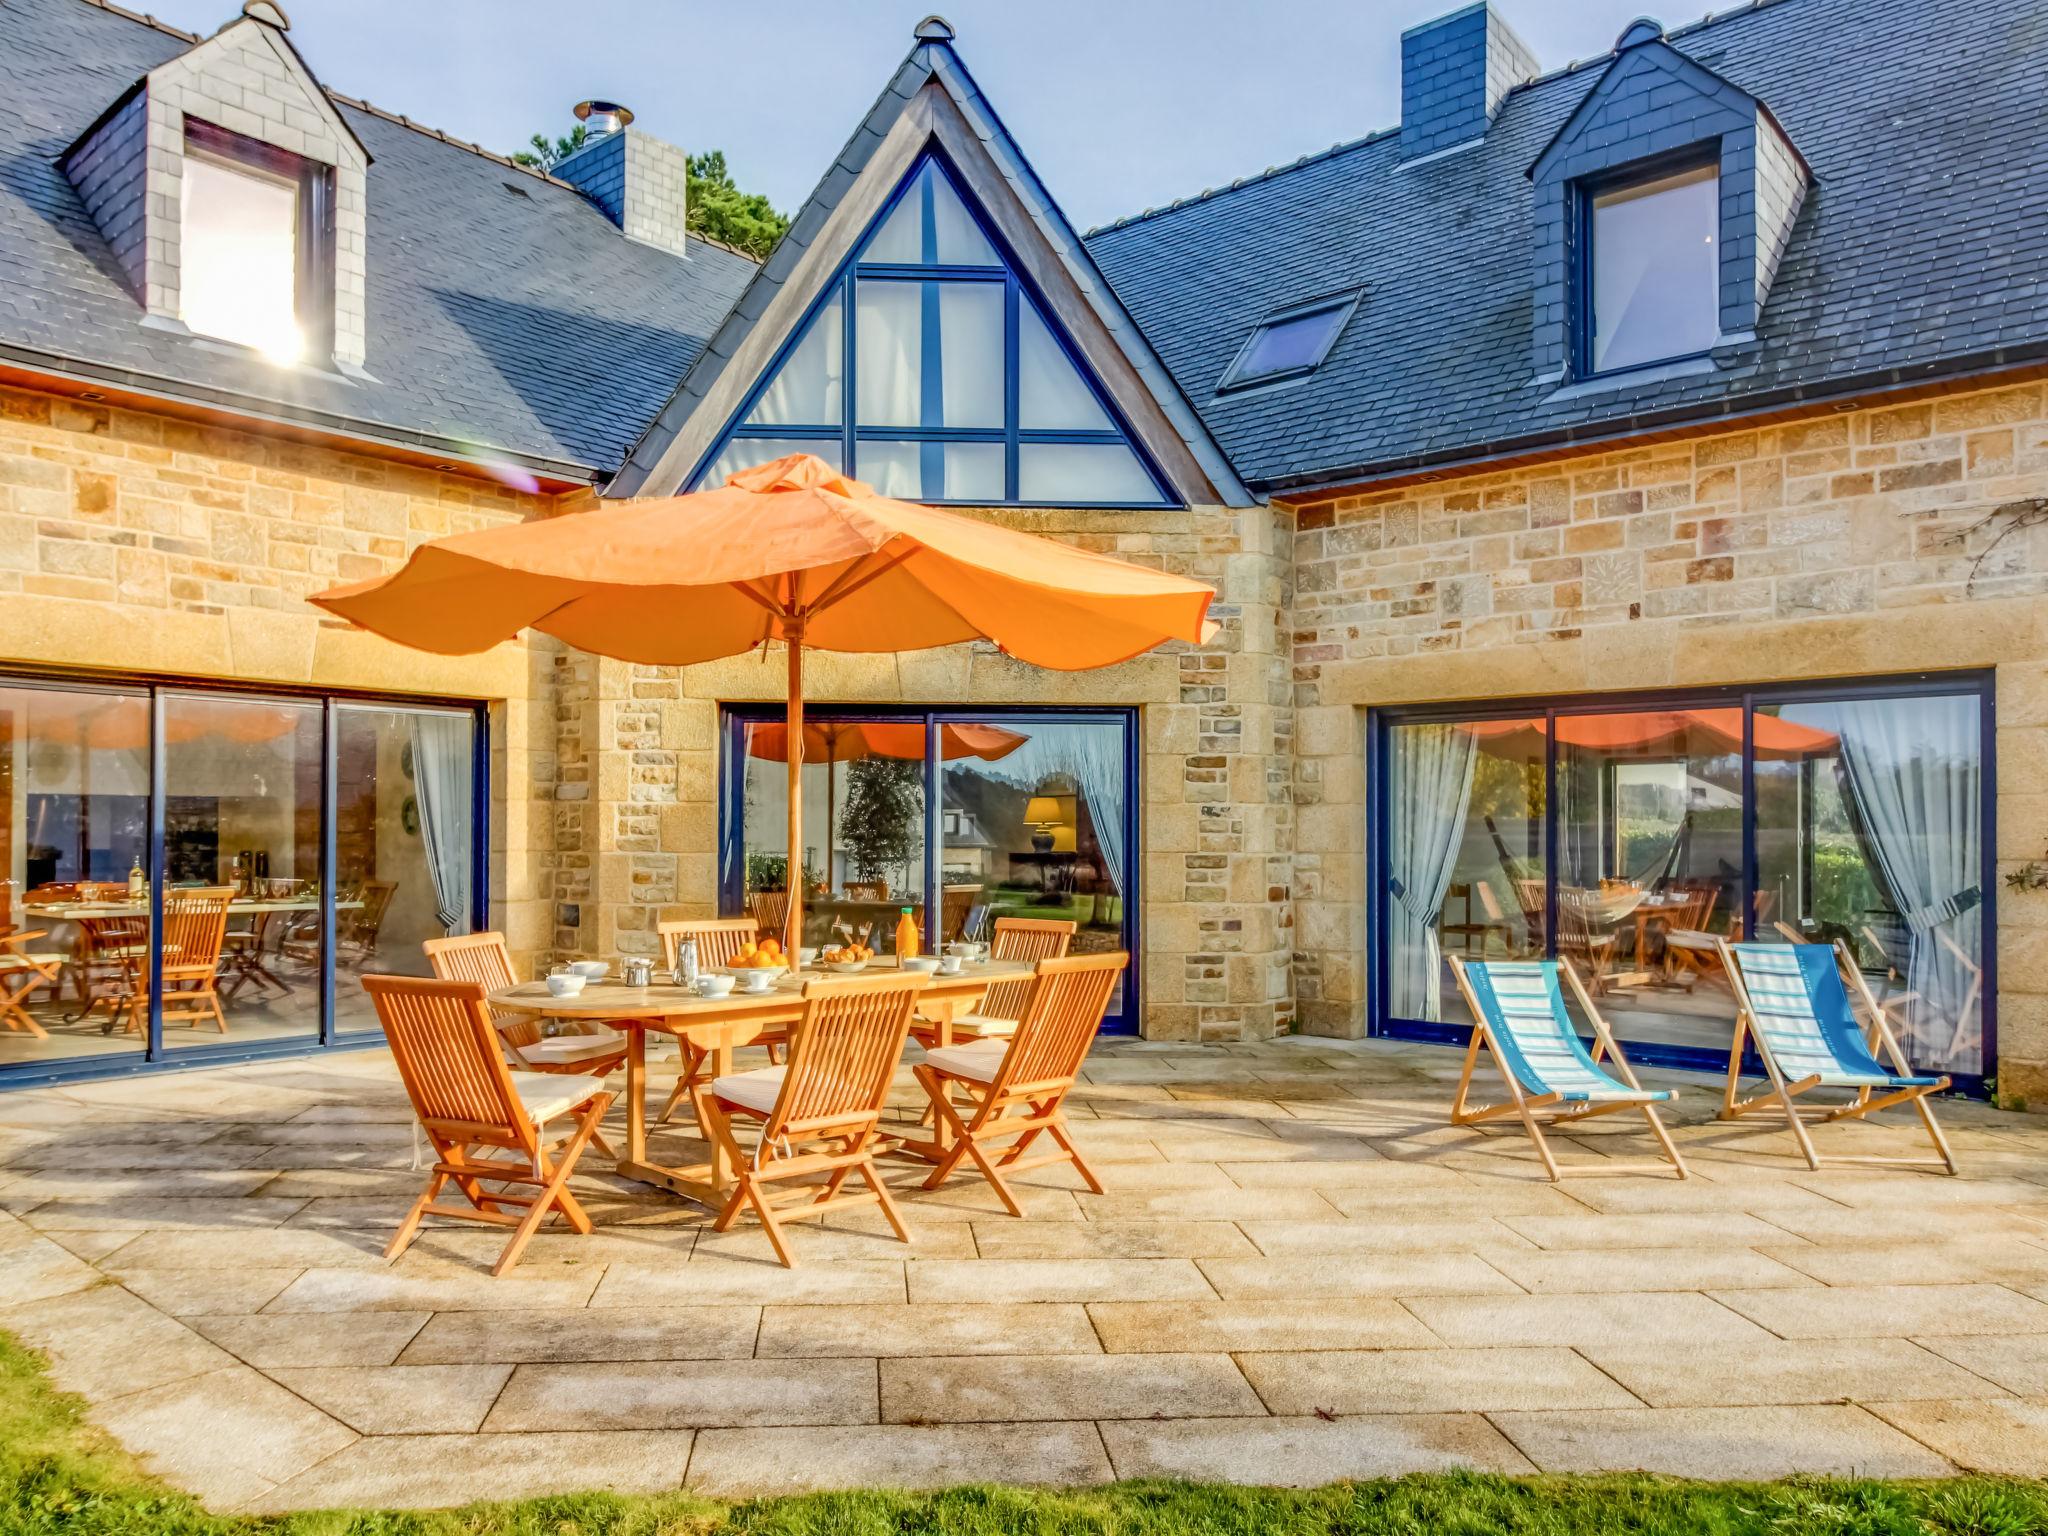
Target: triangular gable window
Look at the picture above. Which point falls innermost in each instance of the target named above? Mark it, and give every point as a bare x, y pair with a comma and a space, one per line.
927, 369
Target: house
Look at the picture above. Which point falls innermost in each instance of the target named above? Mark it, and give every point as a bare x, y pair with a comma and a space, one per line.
1626, 488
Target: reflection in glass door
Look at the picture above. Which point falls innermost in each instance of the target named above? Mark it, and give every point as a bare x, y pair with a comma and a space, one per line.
242, 834
1035, 824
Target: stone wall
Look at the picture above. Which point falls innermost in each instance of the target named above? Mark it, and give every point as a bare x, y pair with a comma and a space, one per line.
137, 543
1862, 543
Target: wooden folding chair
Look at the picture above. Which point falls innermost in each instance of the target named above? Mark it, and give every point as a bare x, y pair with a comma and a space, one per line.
1016, 1088
471, 1104
1792, 1002
1519, 1015
1025, 939
819, 1112
587, 1050
719, 940
195, 927
22, 971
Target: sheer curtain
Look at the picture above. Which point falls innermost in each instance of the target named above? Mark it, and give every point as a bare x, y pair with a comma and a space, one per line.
889, 338
1916, 770
1431, 789
441, 762
1095, 759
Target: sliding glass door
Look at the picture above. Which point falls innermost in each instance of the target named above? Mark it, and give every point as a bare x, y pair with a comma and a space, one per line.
1007, 813
1629, 840
189, 870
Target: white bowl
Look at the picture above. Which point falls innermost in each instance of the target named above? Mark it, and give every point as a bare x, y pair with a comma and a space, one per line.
961, 949
925, 963
590, 970
565, 986
714, 986
846, 967
808, 955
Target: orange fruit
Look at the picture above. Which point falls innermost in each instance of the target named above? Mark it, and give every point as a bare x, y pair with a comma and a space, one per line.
771, 946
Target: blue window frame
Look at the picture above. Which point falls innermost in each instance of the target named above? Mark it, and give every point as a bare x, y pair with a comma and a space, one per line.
1289, 343
158, 832
1543, 802
928, 367
940, 837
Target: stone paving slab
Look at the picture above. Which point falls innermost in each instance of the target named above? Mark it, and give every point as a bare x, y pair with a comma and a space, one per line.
1307, 1452
1299, 1271
1737, 1444
737, 1463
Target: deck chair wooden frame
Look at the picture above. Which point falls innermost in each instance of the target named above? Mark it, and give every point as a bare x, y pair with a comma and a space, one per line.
484, 958
1558, 1107
719, 940
820, 1112
22, 971
470, 1105
1016, 1091
1026, 940
195, 928
1784, 1091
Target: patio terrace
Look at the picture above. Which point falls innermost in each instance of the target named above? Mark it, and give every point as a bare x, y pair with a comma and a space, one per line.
1299, 1273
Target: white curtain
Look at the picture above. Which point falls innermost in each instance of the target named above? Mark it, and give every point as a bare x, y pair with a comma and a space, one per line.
1095, 758
888, 338
1432, 787
441, 761
1917, 773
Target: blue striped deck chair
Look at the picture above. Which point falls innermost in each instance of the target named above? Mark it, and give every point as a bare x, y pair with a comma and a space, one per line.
1520, 1017
1793, 1004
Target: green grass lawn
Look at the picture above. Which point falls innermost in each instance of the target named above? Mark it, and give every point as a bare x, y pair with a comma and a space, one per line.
57, 1474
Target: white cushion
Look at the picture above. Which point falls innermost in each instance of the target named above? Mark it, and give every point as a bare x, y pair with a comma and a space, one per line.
977, 1061
756, 1090
986, 1025
568, 1048
15, 960
1689, 938
544, 1095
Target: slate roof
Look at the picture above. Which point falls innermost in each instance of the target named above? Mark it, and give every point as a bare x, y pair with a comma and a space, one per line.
505, 311
1922, 250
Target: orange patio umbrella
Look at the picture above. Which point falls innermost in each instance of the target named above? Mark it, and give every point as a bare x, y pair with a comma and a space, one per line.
833, 742
791, 550
1669, 731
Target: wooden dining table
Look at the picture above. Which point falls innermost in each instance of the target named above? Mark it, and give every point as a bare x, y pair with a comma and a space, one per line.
721, 1025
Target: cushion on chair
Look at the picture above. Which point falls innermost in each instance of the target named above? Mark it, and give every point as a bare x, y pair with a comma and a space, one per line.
978, 1061
543, 1095
1689, 938
988, 1026
756, 1090
561, 1049
15, 960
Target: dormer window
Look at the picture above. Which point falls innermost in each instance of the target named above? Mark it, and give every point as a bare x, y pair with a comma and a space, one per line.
1289, 343
1652, 286
256, 257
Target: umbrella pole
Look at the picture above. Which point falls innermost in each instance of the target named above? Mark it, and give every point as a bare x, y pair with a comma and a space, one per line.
793, 637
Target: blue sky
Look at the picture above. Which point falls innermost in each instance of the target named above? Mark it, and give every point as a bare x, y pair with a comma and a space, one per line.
1121, 104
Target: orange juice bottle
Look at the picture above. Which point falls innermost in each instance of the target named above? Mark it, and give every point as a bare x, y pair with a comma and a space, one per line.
906, 937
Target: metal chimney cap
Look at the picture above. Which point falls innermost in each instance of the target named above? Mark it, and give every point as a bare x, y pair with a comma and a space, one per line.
612, 116
934, 29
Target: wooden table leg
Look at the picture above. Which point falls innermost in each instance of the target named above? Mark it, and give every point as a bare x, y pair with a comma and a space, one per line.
721, 1161
636, 1096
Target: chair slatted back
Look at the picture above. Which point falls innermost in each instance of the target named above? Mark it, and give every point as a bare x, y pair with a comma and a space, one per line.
1068, 998
367, 919
484, 959
844, 1051
719, 939
1800, 1010
770, 909
446, 1048
195, 928
1027, 939
1525, 1011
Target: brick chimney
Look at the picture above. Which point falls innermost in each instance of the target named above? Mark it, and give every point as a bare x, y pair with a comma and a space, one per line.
641, 182
1454, 72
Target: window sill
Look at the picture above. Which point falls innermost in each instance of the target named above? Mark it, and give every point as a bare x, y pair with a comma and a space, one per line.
1698, 366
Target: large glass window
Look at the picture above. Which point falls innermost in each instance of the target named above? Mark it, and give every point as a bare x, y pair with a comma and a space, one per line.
239, 959
1032, 817
404, 844
948, 384
255, 259
1654, 269
74, 852
1782, 816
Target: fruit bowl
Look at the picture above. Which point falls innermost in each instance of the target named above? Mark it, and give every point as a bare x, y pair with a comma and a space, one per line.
844, 967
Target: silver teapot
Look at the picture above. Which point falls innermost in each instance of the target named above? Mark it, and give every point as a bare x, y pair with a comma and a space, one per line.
638, 969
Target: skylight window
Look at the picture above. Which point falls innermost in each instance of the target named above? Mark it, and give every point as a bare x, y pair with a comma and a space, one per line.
1290, 343
929, 370
1654, 270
